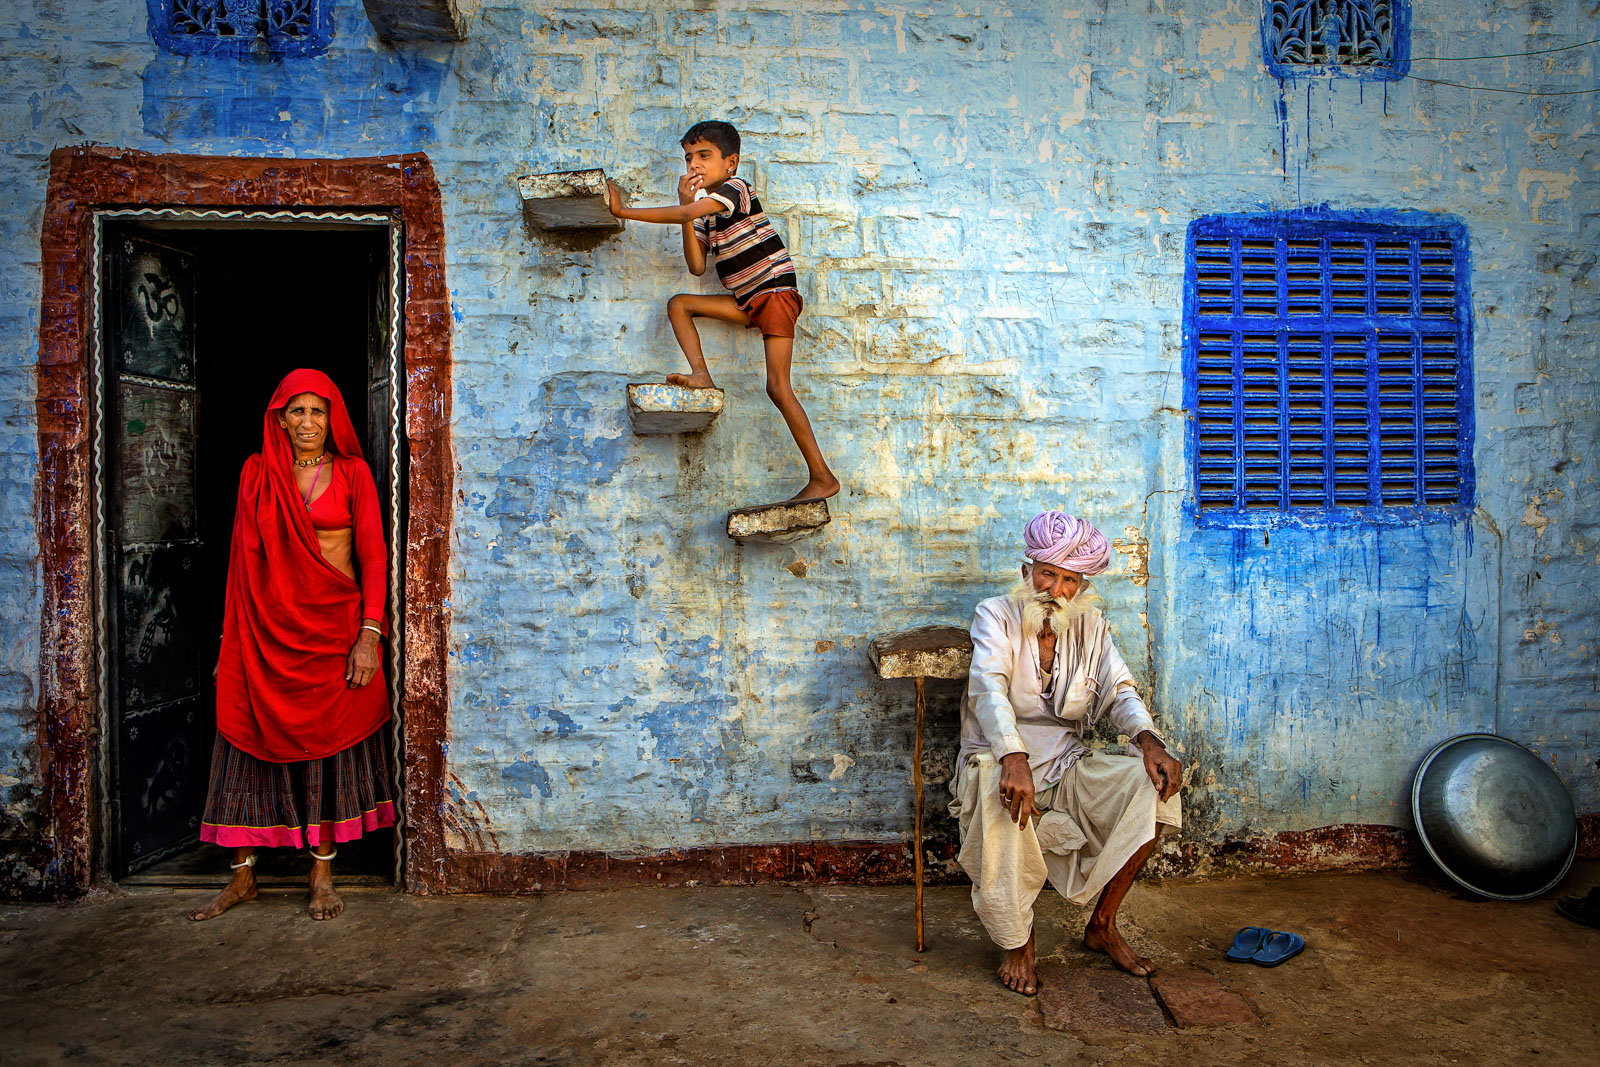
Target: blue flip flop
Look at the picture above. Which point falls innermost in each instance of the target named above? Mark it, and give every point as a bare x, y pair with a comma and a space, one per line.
1279, 946
1247, 942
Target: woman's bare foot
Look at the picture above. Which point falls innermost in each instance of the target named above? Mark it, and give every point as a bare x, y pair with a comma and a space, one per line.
1108, 939
1016, 971
692, 381
816, 489
240, 888
325, 903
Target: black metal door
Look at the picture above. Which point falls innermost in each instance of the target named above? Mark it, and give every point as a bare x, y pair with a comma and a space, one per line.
380, 386
384, 445
160, 741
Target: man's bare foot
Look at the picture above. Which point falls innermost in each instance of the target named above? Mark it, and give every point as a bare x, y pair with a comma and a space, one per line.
1108, 939
240, 888
325, 903
692, 381
816, 489
1016, 971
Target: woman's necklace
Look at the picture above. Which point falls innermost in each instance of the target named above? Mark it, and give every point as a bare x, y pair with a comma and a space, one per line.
314, 478
303, 463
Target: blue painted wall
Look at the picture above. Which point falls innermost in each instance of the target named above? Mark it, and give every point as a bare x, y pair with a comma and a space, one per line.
988, 207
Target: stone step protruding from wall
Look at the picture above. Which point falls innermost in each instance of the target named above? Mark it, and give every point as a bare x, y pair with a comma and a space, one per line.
417, 20
655, 409
568, 200
926, 652
777, 523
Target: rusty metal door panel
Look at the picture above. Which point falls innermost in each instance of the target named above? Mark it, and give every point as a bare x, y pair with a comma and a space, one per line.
153, 295
160, 738
157, 463
164, 752
158, 647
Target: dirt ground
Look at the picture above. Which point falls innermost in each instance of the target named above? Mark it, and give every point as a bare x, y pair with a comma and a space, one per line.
1399, 968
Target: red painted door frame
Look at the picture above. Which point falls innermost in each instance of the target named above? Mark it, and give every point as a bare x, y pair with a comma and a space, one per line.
83, 180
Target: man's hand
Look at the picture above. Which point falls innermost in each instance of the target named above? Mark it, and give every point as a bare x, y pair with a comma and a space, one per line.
688, 185
1166, 773
614, 198
1016, 787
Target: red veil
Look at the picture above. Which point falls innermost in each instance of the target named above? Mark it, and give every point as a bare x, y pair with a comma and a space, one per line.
291, 617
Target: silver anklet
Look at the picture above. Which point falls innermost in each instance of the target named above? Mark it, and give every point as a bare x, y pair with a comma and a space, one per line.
326, 858
249, 861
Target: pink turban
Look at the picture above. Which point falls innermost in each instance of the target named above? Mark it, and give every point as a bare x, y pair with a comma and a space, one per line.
1073, 544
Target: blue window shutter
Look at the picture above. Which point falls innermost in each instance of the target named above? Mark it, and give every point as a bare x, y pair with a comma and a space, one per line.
1327, 368
241, 28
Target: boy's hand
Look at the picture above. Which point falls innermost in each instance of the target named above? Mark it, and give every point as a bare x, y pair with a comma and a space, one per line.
688, 185
613, 198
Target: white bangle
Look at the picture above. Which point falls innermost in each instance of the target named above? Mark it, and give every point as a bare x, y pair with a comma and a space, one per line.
374, 629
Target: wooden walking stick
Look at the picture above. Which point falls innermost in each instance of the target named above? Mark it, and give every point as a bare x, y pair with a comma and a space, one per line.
927, 652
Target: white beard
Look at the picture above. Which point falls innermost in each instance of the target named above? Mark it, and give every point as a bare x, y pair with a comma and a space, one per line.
1041, 612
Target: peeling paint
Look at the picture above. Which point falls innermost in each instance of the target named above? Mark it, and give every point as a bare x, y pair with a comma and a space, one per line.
987, 207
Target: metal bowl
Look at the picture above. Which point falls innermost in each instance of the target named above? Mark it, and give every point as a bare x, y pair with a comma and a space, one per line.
1494, 817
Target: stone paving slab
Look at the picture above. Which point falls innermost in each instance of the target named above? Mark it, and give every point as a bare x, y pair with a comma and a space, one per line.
567, 200
1194, 998
656, 408
925, 652
1081, 1000
777, 523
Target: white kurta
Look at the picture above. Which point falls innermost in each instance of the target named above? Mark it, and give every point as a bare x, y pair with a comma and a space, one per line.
1099, 809
1004, 710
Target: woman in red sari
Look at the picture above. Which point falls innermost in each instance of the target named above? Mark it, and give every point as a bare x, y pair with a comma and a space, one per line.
300, 759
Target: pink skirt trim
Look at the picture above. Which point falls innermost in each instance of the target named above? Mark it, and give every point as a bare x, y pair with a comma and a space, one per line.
293, 836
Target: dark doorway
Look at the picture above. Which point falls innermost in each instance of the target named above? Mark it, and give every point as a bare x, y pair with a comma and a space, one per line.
199, 323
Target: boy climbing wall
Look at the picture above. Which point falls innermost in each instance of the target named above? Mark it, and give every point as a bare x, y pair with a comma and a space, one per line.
752, 262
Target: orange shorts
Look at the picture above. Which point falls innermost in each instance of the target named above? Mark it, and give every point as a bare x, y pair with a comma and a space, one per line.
773, 313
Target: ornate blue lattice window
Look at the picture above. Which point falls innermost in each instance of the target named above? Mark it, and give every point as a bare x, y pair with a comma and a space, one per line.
242, 27
1359, 38
1327, 368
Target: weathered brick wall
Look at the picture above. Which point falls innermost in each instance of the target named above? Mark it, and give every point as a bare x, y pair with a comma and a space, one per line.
988, 206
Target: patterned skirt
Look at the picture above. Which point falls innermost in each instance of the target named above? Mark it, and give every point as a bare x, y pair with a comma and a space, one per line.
251, 802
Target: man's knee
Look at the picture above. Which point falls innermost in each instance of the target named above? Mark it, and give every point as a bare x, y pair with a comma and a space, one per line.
779, 390
681, 306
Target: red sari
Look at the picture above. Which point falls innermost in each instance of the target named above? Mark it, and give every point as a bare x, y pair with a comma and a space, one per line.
297, 747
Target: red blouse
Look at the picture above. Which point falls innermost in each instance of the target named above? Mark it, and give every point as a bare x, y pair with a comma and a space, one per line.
350, 500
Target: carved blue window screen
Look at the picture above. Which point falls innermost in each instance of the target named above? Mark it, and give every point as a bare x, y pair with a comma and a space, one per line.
1359, 38
1327, 369
242, 27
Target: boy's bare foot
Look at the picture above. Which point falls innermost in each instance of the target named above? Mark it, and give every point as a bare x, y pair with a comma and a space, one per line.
1108, 939
691, 381
240, 888
1016, 971
325, 903
816, 489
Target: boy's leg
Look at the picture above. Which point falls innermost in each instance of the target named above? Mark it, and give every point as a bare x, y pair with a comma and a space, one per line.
681, 312
780, 355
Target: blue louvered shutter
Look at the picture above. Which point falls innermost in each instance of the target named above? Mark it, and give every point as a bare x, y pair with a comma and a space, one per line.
1327, 369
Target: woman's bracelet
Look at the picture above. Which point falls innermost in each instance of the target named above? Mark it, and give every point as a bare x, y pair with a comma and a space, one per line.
374, 629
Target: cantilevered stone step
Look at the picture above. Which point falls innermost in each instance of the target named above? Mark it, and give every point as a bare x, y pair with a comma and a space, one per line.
926, 652
568, 200
654, 408
778, 523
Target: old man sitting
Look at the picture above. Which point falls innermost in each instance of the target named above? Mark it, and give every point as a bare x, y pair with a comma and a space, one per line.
1033, 800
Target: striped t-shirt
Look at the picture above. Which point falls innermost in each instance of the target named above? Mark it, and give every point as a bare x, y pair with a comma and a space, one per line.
751, 258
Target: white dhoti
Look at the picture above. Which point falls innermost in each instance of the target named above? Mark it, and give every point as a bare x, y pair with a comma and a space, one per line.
1101, 811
